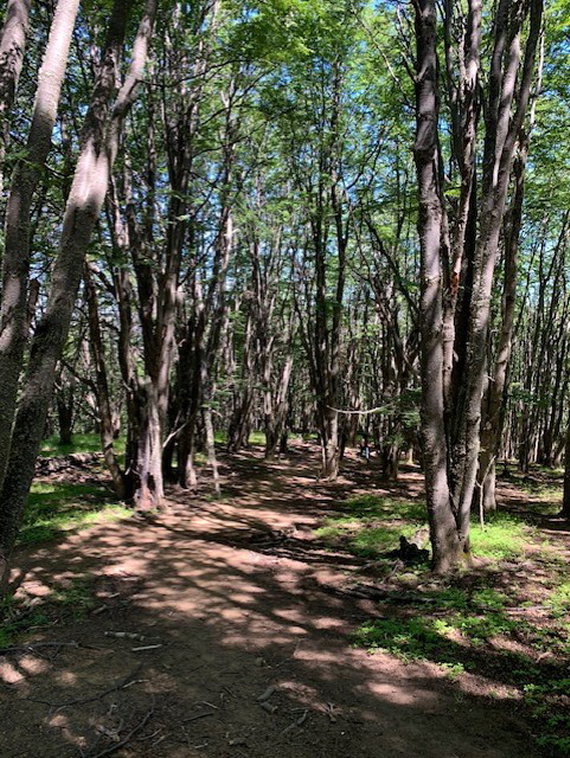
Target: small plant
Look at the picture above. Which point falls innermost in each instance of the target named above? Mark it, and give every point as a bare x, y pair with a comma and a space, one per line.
484, 627
489, 599
559, 601
77, 598
17, 618
503, 537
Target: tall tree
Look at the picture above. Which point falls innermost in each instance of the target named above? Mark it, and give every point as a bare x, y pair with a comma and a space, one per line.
452, 389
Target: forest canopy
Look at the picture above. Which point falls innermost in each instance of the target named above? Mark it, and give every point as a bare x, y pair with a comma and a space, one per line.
330, 218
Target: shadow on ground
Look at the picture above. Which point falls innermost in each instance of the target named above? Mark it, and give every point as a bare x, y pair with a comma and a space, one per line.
214, 632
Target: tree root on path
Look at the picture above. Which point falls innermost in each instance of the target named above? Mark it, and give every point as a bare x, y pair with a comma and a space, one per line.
125, 741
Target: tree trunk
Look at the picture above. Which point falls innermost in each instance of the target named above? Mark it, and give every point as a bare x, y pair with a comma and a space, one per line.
445, 540
149, 491
12, 46
99, 145
106, 425
14, 320
566, 495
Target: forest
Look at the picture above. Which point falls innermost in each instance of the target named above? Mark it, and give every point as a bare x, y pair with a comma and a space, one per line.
285, 378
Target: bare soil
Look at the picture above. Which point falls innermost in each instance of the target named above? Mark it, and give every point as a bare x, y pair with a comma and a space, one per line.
238, 640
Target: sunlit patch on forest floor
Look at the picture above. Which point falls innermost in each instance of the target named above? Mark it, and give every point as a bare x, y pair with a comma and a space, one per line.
278, 616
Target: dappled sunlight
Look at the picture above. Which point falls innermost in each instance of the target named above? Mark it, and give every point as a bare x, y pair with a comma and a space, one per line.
183, 614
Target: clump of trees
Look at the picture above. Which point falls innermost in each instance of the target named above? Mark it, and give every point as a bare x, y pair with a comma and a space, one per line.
223, 228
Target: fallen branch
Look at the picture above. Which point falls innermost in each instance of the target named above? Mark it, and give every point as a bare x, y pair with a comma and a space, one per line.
36, 645
379, 409
197, 716
267, 694
126, 635
125, 740
298, 722
123, 684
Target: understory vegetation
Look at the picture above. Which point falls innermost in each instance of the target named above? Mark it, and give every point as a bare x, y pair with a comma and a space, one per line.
326, 241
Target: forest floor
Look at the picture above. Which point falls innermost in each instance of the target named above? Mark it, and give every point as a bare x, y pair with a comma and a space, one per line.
275, 619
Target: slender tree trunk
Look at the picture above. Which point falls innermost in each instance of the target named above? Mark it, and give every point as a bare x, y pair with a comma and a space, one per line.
275, 422
14, 322
566, 494
99, 147
12, 46
106, 425
443, 532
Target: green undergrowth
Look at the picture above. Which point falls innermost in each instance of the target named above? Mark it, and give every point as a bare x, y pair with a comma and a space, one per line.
493, 621
81, 443
470, 629
255, 437
371, 525
543, 486
56, 507
504, 536
67, 602
476, 621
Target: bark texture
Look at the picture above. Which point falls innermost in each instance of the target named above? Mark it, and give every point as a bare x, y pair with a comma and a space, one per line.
99, 144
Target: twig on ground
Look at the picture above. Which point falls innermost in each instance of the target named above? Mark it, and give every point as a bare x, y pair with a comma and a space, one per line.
125, 740
197, 716
31, 648
125, 635
298, 722
266, 694
123, 684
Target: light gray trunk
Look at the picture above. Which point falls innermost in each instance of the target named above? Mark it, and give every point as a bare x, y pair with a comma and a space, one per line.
12, 46
16, 261
99, 145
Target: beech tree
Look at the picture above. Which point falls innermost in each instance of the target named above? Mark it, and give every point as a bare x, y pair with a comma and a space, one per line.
457, 271
109, 104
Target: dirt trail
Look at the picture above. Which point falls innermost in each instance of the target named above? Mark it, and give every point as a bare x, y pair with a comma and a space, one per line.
253, 659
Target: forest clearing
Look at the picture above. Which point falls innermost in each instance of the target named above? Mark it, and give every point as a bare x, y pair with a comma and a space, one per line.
285, 378
268, 618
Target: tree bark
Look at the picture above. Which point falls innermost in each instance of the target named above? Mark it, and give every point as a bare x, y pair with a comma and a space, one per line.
566, 494
106, 425
12, 46
14, 322
99, 145
443, 530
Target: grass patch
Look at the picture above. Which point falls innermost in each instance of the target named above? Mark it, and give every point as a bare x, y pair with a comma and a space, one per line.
76, 599
15, 622
380, 506
409, 639
57, 507
361, 538
71, 602
371, 525
81, 443
559, 600
548, 704
503, 537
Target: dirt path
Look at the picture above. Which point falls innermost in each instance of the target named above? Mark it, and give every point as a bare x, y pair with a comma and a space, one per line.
248, 653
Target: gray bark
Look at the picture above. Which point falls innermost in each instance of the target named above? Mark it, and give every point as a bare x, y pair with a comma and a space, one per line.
16, 261
443, 532
12, 46
99, 145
